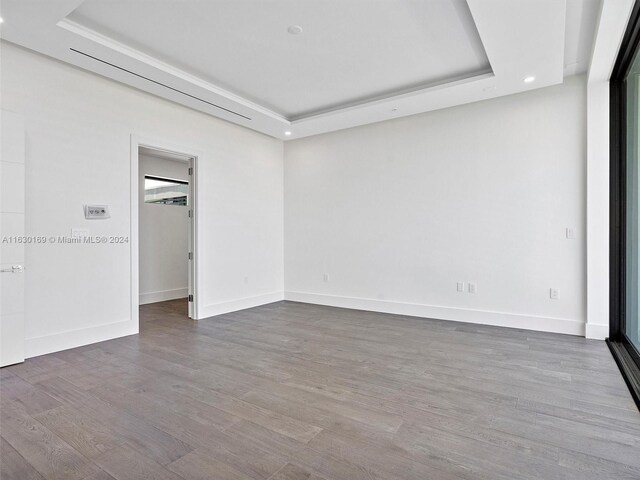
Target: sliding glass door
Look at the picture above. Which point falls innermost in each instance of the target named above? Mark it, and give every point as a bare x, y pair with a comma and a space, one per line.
624, 294
632, 223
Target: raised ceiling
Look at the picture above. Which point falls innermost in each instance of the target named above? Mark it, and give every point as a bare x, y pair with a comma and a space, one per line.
355, 62
348, 52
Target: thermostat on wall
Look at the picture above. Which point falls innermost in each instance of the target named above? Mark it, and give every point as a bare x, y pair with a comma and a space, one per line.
93, 212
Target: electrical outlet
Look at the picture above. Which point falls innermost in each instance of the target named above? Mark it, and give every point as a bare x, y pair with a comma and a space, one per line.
79, 232
460, 286
325, 277
472, 287
554, 293
571, 233
93, 212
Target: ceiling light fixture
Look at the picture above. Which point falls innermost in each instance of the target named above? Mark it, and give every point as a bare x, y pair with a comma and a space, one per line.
1, 20
529, 79
287, 133
294, 29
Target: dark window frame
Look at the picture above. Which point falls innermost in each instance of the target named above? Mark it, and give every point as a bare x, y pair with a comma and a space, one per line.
626, 355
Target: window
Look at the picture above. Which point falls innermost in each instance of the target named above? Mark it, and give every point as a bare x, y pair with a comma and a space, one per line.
165, 191
624, 295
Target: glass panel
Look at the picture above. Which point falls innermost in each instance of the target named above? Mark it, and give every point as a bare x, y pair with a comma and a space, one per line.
632, 295
165, 191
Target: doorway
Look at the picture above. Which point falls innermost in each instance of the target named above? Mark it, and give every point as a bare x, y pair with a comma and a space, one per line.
163, 226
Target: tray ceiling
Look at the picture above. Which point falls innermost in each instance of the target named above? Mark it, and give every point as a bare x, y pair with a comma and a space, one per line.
355, 61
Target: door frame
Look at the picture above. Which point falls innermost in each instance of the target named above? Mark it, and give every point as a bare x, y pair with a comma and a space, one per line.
138, 141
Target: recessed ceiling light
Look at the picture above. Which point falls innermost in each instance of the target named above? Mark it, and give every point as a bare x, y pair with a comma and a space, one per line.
1, 20
294, 29
287, 133
529, 79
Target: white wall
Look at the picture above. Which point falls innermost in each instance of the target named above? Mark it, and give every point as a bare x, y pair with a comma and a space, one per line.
614, 16
164, 236
397, 212
78, 129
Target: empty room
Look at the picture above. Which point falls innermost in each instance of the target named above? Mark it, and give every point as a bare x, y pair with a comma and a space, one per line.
320, 239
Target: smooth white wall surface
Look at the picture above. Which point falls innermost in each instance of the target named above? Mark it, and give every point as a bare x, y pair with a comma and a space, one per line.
78, 127
614, 16
164, 236
397, 213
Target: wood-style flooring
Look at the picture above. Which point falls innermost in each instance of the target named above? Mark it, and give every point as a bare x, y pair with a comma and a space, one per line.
290, 391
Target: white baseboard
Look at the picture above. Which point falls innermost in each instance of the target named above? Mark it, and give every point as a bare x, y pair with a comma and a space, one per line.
597, 332
163, 296
77, 338
239, 304
499, 319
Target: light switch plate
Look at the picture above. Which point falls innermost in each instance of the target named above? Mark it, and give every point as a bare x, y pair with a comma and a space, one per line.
99, 212
79, 233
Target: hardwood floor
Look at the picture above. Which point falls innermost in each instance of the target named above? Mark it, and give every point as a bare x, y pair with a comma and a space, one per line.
290, 391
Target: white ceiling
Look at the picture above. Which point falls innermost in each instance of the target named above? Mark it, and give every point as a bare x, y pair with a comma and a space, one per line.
349, 51
356, 61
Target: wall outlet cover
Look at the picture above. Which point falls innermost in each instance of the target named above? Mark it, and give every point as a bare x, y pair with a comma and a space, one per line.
79, 232
96, 212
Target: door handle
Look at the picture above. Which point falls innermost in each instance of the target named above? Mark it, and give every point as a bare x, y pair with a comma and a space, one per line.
13, 269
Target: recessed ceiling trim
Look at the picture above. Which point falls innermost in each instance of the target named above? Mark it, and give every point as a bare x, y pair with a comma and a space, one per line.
116, 46
398, 94
158, 83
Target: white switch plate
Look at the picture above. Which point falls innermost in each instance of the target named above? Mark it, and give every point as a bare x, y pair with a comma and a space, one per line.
93, 212
79, 232
460, 286
472, 287
325, 277
554, 293
571, 233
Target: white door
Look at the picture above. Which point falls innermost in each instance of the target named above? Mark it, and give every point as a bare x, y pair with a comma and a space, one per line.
12, 187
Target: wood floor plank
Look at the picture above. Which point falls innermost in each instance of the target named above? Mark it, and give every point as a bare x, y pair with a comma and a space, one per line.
32, 399
128, 464
88, 436
45, 451
13, 466
196, 466
294, 472
142, 436
291, 391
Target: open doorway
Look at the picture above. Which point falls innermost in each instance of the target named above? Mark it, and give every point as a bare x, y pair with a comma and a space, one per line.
165, 233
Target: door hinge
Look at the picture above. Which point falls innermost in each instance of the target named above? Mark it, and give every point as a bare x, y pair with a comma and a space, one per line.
191, 298
189, 213
190, 256
190, 171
